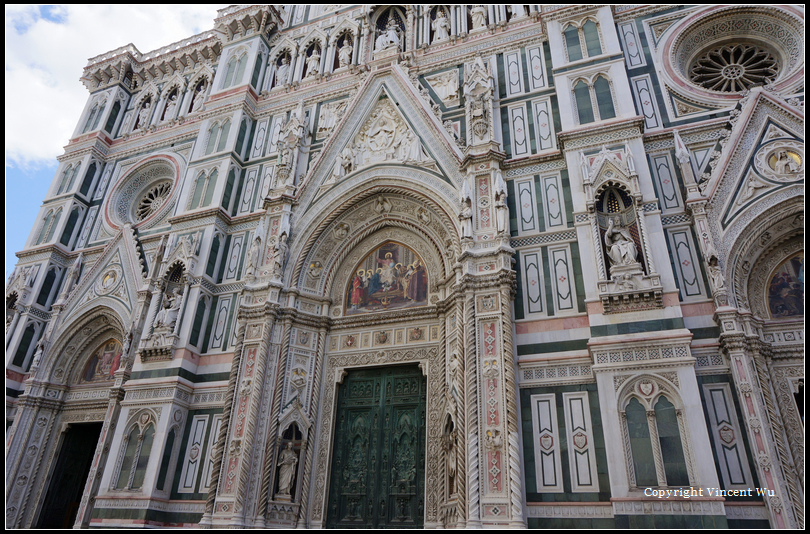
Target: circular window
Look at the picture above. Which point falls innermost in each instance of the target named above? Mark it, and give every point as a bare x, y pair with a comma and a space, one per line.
713, 54
734, 68
152, 200
143, 196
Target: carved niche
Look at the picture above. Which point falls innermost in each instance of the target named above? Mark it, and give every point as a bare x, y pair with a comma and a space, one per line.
627, 276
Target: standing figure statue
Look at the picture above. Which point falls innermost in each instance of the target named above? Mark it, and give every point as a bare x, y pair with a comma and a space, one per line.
171, 105
465, 218
441, 27
280, 255
199, 99
287, 461
479, 16
621, 248
345, 54
502, 213
716, 274
143, 115
313, 62
253, 256
282, 71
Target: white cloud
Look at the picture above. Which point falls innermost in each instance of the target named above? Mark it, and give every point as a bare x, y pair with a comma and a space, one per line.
46, 50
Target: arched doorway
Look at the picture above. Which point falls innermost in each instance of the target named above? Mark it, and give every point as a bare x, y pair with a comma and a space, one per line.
62, 433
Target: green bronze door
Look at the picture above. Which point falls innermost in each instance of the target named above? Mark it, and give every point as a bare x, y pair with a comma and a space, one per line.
378, 468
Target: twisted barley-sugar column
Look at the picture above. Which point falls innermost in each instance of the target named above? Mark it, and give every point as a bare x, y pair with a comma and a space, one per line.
511, 409
20, 492
224, 426
310, 450
272, 434
471, 391
440, 374
264, 349
248, 448
461, 422
764, 372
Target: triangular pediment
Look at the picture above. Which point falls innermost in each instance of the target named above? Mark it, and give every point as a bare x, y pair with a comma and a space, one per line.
112, 280
388, 122
763, 156
609, 164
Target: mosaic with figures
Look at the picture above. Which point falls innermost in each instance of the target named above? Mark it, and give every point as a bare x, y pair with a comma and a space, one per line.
103, 363
392, 277
786, 293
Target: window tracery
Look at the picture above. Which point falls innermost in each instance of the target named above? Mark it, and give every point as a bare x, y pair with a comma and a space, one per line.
67, 179
137, 447
582, 40
204, 188
235, 69
594, 99
656, 446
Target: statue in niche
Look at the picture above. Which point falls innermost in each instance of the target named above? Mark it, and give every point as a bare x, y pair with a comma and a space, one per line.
72, 277
199, 98
143, 115
621, 248
345, 53
253, 256
171, 106
441, 27
42, 345
465, 217
517, 11
280, 255
501, 212
284, 154
389, 37
479, 16
716, 274
167, 315
282, 71
313, 62
287, 462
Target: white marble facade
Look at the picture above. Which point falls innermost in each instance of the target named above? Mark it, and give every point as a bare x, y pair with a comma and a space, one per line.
587, 238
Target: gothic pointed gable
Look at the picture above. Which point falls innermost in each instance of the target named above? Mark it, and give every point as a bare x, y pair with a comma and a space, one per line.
111, 281
761, 165
411, 134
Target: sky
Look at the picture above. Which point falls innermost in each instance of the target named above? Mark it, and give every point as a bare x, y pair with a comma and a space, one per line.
47, 46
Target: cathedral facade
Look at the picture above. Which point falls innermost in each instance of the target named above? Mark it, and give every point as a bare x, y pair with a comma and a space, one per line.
422, 266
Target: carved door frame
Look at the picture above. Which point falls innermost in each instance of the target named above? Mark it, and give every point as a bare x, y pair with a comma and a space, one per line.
430, 361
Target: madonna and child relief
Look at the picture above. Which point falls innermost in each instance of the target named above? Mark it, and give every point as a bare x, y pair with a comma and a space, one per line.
391, 277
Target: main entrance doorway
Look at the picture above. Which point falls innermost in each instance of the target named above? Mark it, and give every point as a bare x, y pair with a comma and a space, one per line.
69, 476
378, 467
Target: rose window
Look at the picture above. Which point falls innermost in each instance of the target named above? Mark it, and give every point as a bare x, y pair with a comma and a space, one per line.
734, 68
152, 200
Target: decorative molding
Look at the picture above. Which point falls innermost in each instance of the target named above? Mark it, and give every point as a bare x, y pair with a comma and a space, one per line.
569, 511
539, 375
195, 507
544, 239
668, 507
